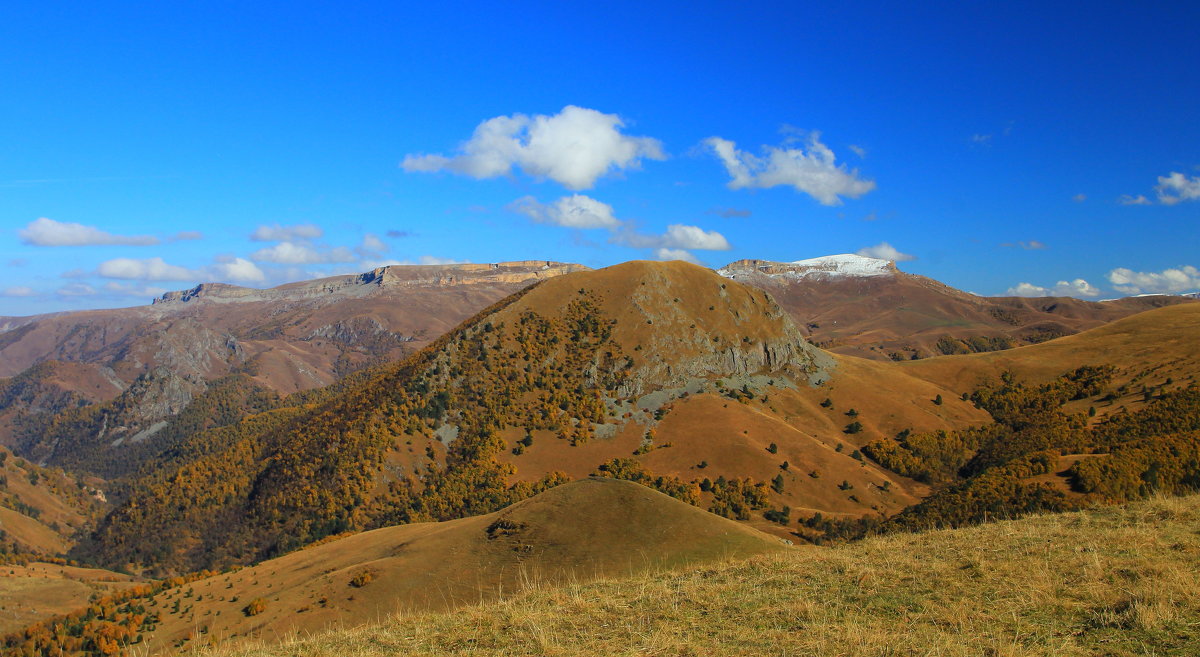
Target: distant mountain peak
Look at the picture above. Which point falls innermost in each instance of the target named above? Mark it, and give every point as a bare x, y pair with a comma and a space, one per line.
830, 266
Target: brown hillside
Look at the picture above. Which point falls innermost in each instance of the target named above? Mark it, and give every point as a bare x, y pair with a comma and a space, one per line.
41, 509
1147, 349
32, 591
643, 370
900, 315
577, 532
152, 361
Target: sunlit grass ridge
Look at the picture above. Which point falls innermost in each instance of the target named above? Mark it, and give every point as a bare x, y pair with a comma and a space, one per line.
1113, 581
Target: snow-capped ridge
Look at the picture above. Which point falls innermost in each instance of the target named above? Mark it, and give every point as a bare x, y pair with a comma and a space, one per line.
848, 264
844, 265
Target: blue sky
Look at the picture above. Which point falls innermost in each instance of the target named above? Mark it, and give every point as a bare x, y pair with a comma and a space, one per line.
996, 147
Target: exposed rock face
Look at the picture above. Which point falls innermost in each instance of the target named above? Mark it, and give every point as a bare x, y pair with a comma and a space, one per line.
521, 271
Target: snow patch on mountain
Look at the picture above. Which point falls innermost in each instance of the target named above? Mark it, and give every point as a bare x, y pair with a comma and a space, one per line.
847, 264
843, 265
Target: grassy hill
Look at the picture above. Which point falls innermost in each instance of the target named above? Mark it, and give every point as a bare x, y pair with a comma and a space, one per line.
664, 371
1147, 349
573, 533
1112, 581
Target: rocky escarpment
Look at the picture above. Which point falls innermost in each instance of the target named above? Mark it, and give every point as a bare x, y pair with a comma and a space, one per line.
382, 277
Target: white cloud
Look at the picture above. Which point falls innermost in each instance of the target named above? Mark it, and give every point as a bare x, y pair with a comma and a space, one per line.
367, 265
1168, 281
1079, 198
228, 268
1075, 288
187, 235
372, 246
1177, 187
574, 148
885, 251
1126, 199
812, 170
581, 212
48, 232
134, 290
18, 291
982, 140
293, 253
1063, 288
679, 236
149, 269
858, 150
576, 211
675, 254
278, 233
76, 290
434, 260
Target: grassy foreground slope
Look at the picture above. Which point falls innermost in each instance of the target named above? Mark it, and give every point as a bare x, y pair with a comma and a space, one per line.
1111, 581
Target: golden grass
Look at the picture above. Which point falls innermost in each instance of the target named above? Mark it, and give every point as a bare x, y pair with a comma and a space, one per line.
1114, 581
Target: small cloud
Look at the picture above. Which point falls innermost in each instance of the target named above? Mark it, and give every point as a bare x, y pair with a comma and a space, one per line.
48, 232
399, 234
278, 233
1176, 188
1075, 288
730, 213
300, 253
433, 260
18, 291
1079, 198
1168, 281
678, 236
1030, 245
18, 262
145, 291
871, 217
149, 269
573, 148
885, 251
1126, 199
75, 273
982, 140
187, 236
229, 268
675, 254
576, 211
372, 246
858, 150
76, 290
812, 170
693, 237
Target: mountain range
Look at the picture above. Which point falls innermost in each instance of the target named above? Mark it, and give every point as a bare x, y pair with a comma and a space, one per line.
706, 386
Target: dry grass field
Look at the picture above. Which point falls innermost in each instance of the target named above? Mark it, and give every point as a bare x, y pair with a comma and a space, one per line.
1110, 581
35, 590
573, 533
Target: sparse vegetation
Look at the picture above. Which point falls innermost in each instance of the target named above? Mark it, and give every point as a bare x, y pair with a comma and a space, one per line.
1130, 574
